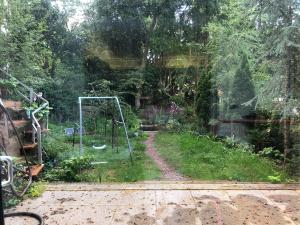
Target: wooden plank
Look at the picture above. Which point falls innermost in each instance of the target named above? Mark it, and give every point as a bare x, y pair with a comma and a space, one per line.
36, 169
30, 146
20, 123
15, 105
43, 131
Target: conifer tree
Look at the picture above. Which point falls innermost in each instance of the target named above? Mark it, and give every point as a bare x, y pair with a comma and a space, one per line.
203, 101
242, 92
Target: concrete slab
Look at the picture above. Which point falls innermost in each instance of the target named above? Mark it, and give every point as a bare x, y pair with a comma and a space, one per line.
174, 197
172, 185
142, 215
178, 214
164, 203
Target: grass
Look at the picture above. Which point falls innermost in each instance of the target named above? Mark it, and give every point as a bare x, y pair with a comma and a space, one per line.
118, 167
37, 189
205, 159
63, 158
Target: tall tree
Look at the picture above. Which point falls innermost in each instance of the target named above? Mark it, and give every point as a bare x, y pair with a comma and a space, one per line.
242, 92
203, 101
41, 51
23, 43
232, 32
120, 26
279, 29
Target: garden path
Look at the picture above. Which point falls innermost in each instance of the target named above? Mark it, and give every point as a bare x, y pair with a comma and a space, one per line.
168, 172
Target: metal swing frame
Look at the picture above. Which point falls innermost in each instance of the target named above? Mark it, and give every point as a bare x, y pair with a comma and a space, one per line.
114, 98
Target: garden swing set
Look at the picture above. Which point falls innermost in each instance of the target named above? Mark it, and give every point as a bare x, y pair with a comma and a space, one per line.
112, 103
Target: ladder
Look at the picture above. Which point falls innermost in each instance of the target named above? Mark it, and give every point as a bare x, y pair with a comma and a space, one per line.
28, 95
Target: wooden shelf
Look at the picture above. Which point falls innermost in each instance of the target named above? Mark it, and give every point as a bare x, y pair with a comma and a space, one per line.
36, 169
30, 146
43, 131
20, 123
15, 105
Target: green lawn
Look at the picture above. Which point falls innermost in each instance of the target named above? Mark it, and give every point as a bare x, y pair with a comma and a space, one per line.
205, 159
117, 169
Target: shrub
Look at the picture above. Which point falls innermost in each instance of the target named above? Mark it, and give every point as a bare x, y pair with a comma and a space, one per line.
271, 153
70, 169
37, 189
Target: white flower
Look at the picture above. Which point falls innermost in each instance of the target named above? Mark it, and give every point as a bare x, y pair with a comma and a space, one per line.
295, 111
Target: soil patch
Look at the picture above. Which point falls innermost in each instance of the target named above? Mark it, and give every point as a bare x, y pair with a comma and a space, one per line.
142, 219
241, 210
182, 216
292, 205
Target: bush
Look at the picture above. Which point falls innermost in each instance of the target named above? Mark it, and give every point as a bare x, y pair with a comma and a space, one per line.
56, 150
132, 121
70, 169
37, 189
10, 83
268, 134
139, 147
272, 153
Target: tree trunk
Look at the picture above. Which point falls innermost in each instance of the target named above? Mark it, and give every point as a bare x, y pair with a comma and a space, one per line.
286, 141
147, 41
138, 100
287, 117
288, 94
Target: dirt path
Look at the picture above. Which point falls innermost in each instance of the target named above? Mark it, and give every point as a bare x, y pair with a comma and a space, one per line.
168, 172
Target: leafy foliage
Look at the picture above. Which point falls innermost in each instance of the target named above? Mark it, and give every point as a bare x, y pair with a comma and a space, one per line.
37, 189
34, 106
9, 84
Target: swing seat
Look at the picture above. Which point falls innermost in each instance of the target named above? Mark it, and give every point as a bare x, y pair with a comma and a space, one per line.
100, 147
99, 163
